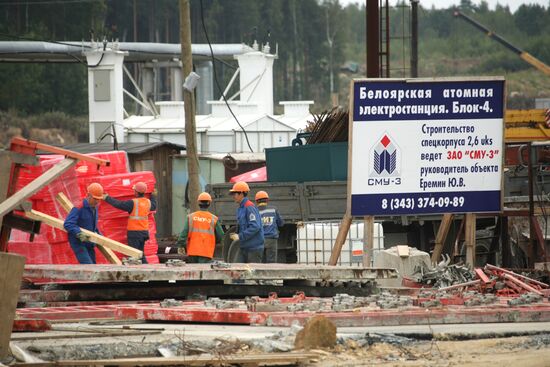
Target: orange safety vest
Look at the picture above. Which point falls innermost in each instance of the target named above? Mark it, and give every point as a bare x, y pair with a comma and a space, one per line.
201, 237
139, 217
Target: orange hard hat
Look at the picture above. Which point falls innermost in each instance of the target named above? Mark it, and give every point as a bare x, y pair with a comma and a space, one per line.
261, 195
140, 187
96, 190
204, 196
240, 186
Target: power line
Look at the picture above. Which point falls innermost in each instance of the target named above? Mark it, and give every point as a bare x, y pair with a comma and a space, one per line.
47, 2
216, 78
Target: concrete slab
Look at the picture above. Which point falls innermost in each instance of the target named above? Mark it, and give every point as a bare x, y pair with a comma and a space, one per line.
140, 273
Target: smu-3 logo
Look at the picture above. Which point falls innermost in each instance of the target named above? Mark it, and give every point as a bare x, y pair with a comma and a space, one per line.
385, 160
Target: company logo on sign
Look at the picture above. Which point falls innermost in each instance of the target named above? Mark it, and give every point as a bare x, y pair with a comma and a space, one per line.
385, 157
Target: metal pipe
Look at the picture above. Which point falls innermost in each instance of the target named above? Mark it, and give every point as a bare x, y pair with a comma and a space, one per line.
35, 51
373, 46
414, 38
531, 250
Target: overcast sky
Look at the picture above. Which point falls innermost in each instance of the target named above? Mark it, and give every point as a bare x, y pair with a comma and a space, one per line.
513, 4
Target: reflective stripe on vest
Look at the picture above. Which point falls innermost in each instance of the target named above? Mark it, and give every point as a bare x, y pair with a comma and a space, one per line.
139, 218
201, 237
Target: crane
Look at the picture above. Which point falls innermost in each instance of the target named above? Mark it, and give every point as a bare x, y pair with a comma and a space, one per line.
524, 55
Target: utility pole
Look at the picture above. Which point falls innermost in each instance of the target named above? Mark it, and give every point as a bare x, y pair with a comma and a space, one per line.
193, 168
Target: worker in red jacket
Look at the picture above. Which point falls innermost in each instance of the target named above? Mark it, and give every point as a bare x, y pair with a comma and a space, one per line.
139, 209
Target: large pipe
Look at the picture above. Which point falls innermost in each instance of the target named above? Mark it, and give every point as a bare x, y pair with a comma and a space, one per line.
34, 51
373, 39
414, 38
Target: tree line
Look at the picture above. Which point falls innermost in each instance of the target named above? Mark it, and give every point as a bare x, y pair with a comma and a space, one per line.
314, 38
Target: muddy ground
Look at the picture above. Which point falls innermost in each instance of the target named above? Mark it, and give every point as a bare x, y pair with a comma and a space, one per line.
532, 351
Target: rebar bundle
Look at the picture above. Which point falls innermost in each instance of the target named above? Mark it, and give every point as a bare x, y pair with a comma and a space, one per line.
329, 126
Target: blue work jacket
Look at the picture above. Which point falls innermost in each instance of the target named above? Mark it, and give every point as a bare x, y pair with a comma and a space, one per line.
251, 234
83, 217
271, 220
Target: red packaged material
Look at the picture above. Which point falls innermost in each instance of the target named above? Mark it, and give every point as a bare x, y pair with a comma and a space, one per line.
120, 185
34, 252
51, 244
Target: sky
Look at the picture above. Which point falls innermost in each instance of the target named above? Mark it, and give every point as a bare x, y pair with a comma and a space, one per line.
513, 4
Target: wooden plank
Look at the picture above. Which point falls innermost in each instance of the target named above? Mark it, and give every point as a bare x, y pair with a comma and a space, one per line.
31, 147
441, 236
368, 239
264, 359
94, 237
27, 159
340, 239
470, 239
67, 205
11, 273
403, 250
64, 201
36, 185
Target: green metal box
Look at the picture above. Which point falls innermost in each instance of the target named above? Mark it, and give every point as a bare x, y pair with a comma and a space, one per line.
315, 162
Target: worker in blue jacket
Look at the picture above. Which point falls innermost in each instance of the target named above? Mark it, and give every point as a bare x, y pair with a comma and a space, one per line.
251, 234
84, 217
271, 221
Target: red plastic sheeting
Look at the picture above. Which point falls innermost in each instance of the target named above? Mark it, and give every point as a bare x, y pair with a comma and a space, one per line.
51, 245
257, 175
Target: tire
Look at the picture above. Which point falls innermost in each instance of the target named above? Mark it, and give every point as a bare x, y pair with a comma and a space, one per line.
234, 252
226, 242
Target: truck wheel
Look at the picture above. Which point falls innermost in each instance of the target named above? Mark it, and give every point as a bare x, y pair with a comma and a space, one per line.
234, 252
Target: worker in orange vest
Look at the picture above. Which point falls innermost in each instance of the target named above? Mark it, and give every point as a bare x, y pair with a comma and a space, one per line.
201, 231
139, 209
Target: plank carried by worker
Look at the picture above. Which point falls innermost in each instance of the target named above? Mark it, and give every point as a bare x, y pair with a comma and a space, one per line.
67, 205
94, 237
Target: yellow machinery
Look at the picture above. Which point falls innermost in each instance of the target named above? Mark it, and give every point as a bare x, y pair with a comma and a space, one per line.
526, 125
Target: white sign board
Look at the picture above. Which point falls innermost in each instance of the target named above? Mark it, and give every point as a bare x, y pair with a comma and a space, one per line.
426, 147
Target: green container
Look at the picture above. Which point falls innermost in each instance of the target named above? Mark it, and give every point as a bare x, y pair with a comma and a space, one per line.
315, 162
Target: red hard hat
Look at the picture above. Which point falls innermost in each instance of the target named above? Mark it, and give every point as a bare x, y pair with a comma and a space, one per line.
96, 190
204, 196
140, 187
261, 195
240, 186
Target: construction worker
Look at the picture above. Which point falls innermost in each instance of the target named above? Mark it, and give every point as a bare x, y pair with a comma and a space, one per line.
201, 231
84, 217
271, 222
139, 209
250, 231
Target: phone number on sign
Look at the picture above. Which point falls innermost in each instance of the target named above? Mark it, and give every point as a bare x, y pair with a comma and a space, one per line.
420, 203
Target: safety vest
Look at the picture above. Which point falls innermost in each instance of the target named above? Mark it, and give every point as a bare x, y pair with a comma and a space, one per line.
139, 217
201, 237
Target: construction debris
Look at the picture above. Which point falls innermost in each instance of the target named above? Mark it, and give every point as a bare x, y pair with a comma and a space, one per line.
216, 264
525, 299
131, 261
444, 275
174, 262
170, 302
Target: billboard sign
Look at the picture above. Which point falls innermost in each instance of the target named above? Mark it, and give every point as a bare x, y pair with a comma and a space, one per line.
426, 146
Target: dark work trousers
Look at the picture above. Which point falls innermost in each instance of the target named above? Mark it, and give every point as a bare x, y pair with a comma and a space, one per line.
270, 250
198, 260
136, 239
250, 256
84, 252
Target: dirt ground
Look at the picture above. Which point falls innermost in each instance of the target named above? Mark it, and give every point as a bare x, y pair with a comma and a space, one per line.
533, 351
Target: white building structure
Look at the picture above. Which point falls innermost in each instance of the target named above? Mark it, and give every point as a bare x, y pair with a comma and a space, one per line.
219, 132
